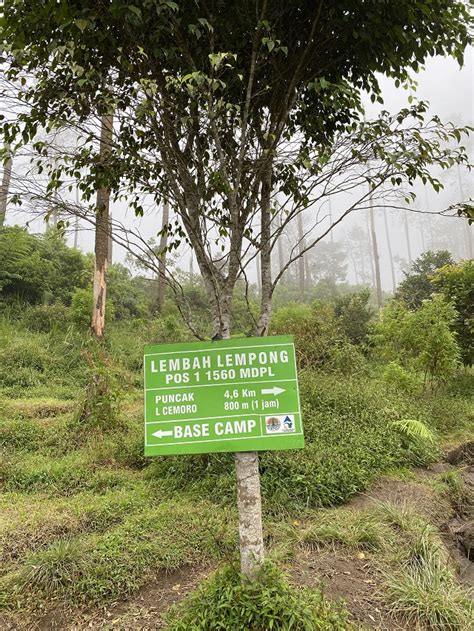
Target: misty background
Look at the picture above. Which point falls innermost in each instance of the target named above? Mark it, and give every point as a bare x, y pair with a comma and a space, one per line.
347, 250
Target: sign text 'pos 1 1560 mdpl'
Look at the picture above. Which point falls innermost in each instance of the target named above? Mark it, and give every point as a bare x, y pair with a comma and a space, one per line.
229, 395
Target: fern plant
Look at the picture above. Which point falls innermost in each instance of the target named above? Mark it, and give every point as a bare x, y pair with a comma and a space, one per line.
418, 439
415, 431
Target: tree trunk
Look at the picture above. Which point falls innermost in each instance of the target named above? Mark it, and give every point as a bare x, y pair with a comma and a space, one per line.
249, 505
249, 500
301, 267
101, 234
378, 282
162, 257
389, 249
371, 251
467, 227
407, 236
7, 174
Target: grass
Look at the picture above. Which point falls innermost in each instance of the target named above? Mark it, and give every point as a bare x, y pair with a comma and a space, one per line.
224, 601
427, 595
86, 519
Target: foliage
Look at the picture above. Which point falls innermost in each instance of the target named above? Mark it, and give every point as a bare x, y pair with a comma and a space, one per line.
101, 403
400, 377
46, 318
318, 340
456, 283
417, 438
39, 268
226, 602
81, 308
327, 261
254, 82
353, 314
127, 297
418, 283
420, 340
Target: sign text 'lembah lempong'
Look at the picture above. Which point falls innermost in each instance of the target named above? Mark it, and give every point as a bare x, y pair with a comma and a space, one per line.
229, 395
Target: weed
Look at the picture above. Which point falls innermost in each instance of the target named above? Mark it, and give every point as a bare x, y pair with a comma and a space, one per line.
225, 601
345, 527
55, 568
427, 595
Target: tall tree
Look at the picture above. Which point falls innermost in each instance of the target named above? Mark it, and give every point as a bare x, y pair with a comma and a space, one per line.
376, 259
102, 232
165, 217
6, 177
210, 95
389, 250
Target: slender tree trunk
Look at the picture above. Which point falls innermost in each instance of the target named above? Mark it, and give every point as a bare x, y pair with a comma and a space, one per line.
162, 257
301, 266
378, 281
246, 464
407, 236
259, 274
430, 222
371, 251
423, 244
467, 227
191, 269
389, 249
6, 178
101, 234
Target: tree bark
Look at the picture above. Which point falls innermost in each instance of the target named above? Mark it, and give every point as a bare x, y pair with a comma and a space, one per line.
378, 282
250, 513
6, 178
101, 234
162, 257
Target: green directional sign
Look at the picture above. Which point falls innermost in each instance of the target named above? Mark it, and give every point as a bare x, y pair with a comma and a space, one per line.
229, 395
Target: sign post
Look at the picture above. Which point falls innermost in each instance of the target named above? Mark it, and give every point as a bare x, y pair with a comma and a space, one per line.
230, 395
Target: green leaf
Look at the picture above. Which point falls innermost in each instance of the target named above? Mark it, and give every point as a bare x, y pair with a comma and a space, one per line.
81, 24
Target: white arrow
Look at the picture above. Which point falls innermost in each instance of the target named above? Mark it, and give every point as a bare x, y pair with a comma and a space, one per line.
274, 390
160, 433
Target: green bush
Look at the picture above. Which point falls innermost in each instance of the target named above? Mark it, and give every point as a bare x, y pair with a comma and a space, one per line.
318, 340
46, 318
226, 602
400, 378
81, 308
421, 340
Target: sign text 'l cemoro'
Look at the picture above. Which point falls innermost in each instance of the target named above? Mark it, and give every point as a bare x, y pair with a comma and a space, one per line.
229, 395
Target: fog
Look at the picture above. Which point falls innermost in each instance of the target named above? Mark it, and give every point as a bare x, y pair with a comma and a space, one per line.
449, 90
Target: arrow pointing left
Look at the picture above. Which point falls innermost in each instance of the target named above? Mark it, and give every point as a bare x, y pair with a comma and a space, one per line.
161, 433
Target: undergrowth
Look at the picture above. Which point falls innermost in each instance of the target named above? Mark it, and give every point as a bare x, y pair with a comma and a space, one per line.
225, 601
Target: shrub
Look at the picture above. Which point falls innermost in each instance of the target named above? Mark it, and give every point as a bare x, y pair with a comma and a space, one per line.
45, 318
318, 341
353, 315
226, 602
399, 377
81, 308
421, 340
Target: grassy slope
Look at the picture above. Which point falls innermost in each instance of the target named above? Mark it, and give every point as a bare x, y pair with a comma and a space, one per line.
86, 519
